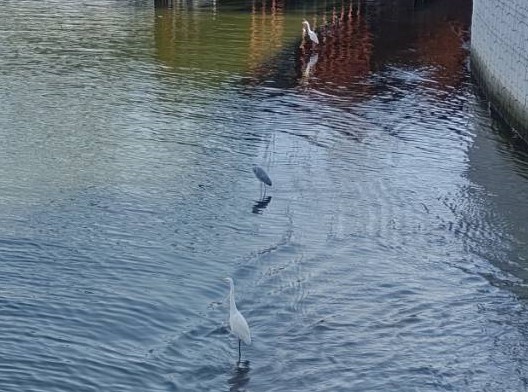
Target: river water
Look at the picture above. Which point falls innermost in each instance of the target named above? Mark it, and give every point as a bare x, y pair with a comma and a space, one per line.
389, 254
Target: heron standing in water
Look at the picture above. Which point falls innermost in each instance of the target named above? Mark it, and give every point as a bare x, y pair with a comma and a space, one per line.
237, 323
262, 176
311, 33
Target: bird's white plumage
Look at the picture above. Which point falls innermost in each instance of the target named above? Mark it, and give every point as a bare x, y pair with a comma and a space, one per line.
239, 327
237, 322
311, 33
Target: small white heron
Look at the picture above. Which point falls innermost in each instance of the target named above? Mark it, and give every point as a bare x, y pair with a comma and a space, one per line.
237, 323
261, 175
311, 33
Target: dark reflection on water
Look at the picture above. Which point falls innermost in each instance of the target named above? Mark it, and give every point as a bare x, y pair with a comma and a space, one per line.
261, 205
240, 377
393, 255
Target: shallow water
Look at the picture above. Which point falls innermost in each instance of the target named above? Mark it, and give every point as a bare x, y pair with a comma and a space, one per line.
389, 254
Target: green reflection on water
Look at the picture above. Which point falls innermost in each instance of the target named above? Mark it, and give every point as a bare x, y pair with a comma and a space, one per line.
225, 39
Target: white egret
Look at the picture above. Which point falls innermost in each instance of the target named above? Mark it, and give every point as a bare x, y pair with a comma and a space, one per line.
311, 33
261, 175
237, 322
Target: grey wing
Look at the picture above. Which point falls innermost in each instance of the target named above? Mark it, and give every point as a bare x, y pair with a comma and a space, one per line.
262, 175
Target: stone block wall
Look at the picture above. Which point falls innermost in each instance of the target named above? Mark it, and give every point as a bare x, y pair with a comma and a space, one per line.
499, 57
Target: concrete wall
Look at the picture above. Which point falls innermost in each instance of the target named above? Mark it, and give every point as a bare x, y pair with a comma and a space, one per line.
499, 57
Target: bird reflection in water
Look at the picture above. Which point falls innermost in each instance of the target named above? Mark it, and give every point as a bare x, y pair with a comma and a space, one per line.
261, 204
309, 69
240, 377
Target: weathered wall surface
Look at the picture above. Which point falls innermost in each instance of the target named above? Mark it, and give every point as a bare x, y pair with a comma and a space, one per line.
499, 54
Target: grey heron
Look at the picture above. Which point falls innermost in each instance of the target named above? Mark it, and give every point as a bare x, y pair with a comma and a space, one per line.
261, 175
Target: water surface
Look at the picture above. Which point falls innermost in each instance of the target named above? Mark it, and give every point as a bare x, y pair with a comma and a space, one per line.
390, 253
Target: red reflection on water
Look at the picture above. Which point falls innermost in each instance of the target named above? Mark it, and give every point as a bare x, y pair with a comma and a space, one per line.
344, 53
266, 31
443, 49
363, 38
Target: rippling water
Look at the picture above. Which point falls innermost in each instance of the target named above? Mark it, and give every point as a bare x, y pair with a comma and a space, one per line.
390, 253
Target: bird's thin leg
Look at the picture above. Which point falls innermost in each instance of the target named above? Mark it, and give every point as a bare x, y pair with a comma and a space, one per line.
239, 352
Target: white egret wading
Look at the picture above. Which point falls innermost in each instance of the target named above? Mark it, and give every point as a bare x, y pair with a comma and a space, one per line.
237, 322
311, 33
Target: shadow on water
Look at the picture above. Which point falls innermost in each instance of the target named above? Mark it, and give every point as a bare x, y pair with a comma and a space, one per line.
261, 205
239, 377
511, 140
502, 154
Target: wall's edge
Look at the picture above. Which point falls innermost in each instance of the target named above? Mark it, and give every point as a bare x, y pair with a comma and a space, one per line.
501, 100
499, 58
